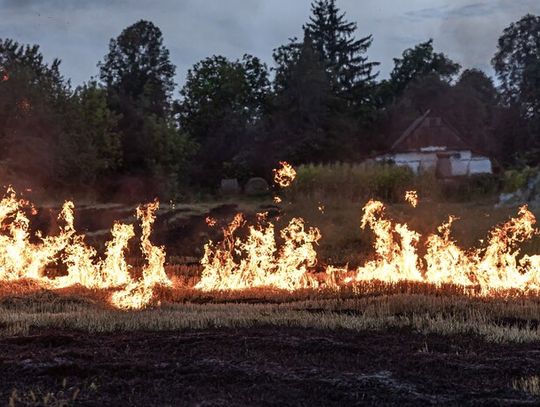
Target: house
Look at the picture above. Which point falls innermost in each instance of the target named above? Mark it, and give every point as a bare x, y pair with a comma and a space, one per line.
432, 144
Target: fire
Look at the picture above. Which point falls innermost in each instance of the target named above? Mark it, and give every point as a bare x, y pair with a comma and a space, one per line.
412, 198
256, 261
22, 259
261, 255
138, 294
285, 175
491, 268
395, 248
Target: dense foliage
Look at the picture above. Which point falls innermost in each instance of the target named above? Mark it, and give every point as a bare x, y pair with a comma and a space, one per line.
131, 133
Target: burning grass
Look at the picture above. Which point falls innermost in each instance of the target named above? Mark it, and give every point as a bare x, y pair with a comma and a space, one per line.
278, 270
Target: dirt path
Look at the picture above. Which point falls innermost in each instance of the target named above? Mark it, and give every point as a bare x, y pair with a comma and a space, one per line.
267, 366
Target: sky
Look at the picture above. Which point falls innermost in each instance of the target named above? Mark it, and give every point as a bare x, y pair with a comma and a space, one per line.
78, 31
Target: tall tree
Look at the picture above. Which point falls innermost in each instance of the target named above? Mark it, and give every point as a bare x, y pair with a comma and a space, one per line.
517, 65
138, 68
344, 56
300, 117
285, 57
90, 147
138, 75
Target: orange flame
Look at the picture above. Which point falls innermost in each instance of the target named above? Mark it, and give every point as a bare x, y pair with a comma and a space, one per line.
412, 198
256, 261
263, 257
285, 175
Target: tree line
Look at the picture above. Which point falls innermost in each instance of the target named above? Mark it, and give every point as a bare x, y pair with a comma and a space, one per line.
128, 131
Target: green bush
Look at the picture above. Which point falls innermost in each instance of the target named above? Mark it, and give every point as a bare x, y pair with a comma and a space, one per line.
353, 181
387, 182
514, 180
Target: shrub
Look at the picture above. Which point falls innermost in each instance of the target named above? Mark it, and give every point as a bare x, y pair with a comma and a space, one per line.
514, 180
353, 181
387, 182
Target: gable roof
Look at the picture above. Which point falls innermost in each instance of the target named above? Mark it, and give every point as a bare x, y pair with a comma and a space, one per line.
429, 131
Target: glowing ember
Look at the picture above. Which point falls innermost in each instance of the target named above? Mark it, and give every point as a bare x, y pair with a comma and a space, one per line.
277, 200
210, 221
412, 198
285, 175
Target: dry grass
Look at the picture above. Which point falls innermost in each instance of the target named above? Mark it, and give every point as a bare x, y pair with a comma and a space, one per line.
416, 307
62, 397
529, 385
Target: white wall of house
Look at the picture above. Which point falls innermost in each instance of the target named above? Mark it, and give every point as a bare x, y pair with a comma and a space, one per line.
462, 162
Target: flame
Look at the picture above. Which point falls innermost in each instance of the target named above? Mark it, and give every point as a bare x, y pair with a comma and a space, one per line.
262, 255
137, 294
285, 175
211, 221
412, 198
395, 248
256, 261
22, 259
493, 268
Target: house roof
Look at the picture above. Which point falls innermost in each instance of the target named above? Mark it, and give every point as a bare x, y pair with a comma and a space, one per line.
429, 130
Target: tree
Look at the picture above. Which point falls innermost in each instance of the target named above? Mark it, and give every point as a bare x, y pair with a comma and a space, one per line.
33, 96
342, 54
301, 110
90, 147
216, 87
285, 57
221, 101
517, 65
419, 62
137, 69
472, 106
138, 76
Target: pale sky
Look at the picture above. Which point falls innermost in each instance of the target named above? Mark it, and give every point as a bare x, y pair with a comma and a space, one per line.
78, 31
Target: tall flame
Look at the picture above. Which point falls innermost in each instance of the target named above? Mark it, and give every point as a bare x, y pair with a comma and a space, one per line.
138, 294
256, 261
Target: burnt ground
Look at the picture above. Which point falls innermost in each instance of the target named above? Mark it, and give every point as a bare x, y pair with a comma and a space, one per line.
268, 366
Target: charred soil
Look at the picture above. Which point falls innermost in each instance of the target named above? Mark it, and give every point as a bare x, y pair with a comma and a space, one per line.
266, 366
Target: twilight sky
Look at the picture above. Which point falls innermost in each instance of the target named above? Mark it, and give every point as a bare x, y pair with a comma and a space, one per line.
78, 31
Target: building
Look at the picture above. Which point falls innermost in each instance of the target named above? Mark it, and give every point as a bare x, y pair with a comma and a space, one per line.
432, 144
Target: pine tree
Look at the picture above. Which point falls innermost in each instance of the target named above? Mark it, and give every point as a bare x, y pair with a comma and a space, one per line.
343, 55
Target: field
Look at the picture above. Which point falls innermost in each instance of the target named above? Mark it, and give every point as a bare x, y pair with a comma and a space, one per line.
364, 343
